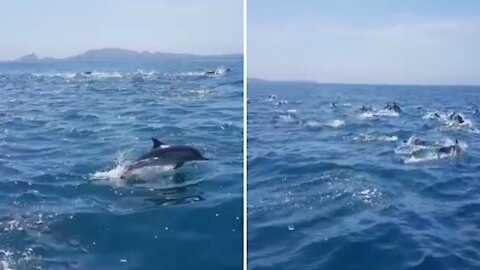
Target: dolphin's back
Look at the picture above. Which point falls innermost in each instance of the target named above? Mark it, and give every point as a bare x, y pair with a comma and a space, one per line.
167, 152
162, 154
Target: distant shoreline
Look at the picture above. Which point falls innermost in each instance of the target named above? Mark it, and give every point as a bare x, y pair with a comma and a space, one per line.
117, 54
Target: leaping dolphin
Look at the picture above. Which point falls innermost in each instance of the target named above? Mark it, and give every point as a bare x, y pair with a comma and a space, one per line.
165, 155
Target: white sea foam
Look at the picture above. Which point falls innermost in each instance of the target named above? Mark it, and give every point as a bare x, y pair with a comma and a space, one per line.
287, 118
145, 74
336, 123
216, 73
430, 156
340, 105
202, 91
6, 259
313, 124
78, 75
375, 137
120, 172
331, 124
114, 174
149, 172
379, 113
189, 73
113, 74
388, 113
10, 260
369, 114
221, 71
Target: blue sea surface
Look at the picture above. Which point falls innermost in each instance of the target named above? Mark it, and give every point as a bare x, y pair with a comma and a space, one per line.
66, 137
332, 187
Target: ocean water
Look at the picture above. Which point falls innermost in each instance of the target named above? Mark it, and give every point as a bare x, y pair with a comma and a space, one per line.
65, 138
331, 187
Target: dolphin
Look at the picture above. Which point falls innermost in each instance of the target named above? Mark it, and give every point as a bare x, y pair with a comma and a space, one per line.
392, 106
365, 108
215, 72
272, 96
455, 149
210, 72
456, 117
163, 154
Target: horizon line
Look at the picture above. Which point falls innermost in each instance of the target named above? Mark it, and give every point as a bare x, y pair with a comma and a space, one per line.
361, 84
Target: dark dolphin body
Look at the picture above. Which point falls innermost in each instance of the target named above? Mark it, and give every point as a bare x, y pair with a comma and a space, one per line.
450, 149
392, 106
456, 117
366, 109
215, 72
162, 154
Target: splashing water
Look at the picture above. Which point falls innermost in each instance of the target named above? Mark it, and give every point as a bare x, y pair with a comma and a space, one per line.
121, 172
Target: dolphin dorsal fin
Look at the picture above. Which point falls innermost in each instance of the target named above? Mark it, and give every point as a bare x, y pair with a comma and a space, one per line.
157, 143
456, 141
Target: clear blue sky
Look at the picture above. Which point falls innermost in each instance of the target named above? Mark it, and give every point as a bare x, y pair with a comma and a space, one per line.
62, 28
374, 41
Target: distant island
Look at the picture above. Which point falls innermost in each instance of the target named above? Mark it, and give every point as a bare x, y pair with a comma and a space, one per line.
116, 54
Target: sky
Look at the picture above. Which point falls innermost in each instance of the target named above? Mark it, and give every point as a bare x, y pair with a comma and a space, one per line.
373, 42
59, 28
